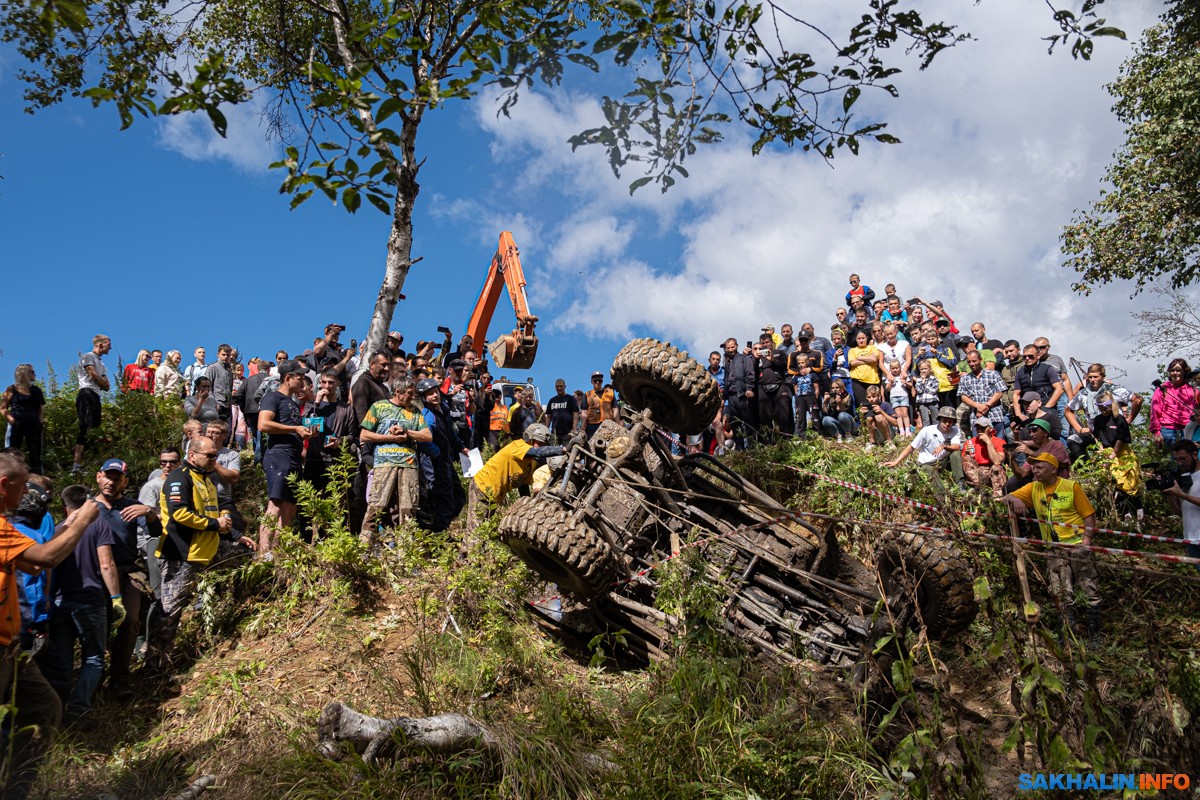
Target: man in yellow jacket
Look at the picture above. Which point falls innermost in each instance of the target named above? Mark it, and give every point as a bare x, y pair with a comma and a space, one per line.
1065, 515
193, 527
511, 468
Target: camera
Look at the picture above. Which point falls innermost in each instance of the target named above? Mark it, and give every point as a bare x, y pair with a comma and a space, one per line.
443, 329
1165, 474
354, 344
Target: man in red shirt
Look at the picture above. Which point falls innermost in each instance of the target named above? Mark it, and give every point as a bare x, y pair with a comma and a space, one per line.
986, 467
38, 707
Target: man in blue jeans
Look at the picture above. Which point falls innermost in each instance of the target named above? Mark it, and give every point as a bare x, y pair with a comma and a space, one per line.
84, 587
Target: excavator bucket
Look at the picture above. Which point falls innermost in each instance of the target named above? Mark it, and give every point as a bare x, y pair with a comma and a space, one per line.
513, 350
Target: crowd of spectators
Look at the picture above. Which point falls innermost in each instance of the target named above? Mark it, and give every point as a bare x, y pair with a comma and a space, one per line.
900, 374
894, 374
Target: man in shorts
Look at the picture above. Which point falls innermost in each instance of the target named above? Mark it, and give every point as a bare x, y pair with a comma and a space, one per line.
280, 419
394, 426
93, 379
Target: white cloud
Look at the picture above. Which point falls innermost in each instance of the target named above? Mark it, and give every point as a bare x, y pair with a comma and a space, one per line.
245, 145
1002, 144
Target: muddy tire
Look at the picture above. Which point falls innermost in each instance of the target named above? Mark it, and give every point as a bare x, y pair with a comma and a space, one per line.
680, 394
938, 573
542, 534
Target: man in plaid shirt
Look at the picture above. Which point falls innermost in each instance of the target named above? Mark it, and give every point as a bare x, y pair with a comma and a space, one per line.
979, 393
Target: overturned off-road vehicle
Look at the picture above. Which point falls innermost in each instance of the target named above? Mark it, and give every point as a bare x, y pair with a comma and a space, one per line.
620, 505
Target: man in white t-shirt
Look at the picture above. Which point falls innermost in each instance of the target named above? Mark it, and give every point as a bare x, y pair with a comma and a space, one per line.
938, 447
1184, 452
93, 379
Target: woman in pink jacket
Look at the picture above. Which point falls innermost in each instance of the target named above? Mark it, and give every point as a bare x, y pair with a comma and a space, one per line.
1172, 404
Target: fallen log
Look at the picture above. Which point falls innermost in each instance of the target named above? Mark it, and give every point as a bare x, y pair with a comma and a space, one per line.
376, 737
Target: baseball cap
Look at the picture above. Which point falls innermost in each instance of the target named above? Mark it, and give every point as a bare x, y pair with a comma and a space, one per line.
803, 334
1041, 423
1030, 396
769, 328
599, 375
333, 325
114, 464
983, 422
288, 367
395, 335
942, 321
946, 412
1045, 457
965, 340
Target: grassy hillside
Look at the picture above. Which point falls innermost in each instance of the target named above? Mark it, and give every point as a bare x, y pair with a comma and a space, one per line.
422, 630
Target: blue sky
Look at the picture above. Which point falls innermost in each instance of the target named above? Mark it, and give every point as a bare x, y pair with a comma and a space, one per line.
165, 236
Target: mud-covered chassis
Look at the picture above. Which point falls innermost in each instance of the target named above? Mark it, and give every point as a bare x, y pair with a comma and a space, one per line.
620, 504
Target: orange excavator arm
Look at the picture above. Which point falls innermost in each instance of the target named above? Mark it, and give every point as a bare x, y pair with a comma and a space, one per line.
517, 349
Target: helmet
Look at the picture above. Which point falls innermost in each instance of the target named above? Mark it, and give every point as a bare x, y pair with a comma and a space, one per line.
427, 385
537, 432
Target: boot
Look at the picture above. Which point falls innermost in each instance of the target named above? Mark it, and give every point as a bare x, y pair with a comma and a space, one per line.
1094, 627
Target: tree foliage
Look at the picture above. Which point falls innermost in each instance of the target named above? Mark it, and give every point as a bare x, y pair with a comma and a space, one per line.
348, 82
1146, 226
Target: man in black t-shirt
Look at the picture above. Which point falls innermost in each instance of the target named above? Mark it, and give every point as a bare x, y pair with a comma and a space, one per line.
279, 417
328, 353
127, 519
562, 412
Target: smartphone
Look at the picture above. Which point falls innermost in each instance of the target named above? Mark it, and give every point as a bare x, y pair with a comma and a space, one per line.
443, 329
354, 344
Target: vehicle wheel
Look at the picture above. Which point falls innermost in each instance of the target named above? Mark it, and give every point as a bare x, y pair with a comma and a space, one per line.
938, 574
543, 535
680, 394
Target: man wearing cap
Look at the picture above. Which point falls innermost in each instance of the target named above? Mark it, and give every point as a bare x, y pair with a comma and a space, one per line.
459, 400
444, 496
394, 340
328, 353
601, 405
1040, 441
984, 465
776, 339
127, 519
195, 532
1064, 515
280, 419
85, 587
525, 411
938, 447
510, 468
1031, 406
36, 709
395, 427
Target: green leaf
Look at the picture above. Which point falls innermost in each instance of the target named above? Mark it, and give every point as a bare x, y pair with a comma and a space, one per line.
351, 200
851, 95
218, 120
639, 183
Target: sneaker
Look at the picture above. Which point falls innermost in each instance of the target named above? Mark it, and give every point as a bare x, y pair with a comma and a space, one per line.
839, 438
890, 445
870, 446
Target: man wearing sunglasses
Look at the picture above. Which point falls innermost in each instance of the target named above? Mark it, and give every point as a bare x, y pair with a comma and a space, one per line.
1035, 375
601, 404
150, 495
193, 529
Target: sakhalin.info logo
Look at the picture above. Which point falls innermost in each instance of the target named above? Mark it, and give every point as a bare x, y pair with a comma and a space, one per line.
1102, 781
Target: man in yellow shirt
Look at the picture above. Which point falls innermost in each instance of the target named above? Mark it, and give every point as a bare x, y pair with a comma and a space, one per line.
511, 468
1058, 503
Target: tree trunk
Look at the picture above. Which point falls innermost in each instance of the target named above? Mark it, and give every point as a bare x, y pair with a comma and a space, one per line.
375, 737
399, 246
